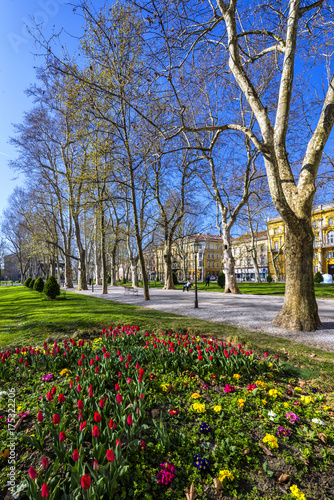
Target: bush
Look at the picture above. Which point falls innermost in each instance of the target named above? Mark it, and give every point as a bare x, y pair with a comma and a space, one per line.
51, 288
39, 284
269, 278
31, 284
175, 281
27, 282
123, 280
318, 277
221, 280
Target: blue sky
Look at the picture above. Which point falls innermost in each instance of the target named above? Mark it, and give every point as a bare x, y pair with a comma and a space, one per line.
17, 61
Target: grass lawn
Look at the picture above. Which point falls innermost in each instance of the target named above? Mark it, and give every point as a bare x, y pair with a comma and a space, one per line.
161, 414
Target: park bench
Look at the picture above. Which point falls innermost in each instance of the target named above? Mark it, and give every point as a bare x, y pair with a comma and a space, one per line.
130, 289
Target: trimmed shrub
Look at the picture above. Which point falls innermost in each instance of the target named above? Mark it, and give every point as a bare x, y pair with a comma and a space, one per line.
269, 278
318, 277
31, 284
27, 282
175, 281
39, 284
221, 280
51, 288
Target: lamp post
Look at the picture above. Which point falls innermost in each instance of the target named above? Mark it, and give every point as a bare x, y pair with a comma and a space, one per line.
196, 248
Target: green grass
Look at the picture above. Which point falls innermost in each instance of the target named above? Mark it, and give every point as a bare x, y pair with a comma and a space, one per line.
321, 291
28, 317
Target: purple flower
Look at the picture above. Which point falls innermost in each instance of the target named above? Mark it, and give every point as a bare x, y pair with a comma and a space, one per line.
47, 377
228, 388
167, 474
292, 417
282, 431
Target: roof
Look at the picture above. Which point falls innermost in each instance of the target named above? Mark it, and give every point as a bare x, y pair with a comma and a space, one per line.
247, 236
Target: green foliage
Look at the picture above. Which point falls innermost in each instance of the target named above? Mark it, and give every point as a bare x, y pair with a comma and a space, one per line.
221, 280
175, 281
31, 284
39, 284
269, 278
51, 288
123, 280
27, 282
318, 277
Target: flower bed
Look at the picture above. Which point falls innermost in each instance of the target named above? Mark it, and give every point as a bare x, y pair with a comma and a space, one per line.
133, 415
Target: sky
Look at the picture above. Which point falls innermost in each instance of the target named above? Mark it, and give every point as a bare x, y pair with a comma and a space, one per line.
17, 61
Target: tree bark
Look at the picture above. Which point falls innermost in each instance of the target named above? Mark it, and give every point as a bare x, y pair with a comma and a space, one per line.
231, 285
300, 309
113, 280
134, 271
169, 284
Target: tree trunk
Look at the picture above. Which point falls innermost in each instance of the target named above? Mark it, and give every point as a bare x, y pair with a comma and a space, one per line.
96, 257
113, 277
68, 272
169, 284
134, 271
103, 255
300, 309
231, 285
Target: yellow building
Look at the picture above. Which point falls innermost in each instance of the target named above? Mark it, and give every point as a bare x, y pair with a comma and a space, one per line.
323, 229
242, 249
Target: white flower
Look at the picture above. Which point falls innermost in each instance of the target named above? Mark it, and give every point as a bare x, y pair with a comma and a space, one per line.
271, 415
318, 421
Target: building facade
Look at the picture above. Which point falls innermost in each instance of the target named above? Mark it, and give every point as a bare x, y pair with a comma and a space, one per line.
323, 230
242, 250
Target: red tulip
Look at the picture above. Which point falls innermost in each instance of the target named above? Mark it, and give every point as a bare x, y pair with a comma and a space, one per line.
40, 417
117, 387
112, 424
97, 417
79, 388
79, 362
96, 465
119, 398
76, 455
45, 491
82, 426
101, 403
110, 456
45, 463
118, 442
61, 398
53, 390
49, 396
129, 420
97, 370
80, 404
56, 419
32, 473
96, 431
62, 436
90, 393
86, 482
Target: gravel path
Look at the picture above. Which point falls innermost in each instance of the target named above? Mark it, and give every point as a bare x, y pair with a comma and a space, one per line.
251, 312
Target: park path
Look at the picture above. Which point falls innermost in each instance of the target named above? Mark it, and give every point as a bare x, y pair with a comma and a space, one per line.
252, 312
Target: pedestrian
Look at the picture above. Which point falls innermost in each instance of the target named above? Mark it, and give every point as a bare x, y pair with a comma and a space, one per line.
207, 280
187, 285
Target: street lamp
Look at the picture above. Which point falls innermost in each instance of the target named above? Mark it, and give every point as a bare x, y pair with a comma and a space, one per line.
196, 249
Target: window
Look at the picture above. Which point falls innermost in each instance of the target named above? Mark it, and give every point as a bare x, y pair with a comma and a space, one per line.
217, 256
275, 230
330, 238
248, 263
315, 256
276, 245
315, 241
330, 222
261, 260
314, 224
209, 246
262, 249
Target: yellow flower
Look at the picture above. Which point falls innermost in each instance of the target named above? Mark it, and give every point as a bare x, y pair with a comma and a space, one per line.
298, 389
327, 408
164, 387
217, 409
295, 492
225, 474
270, 440
274, 393
306, 399
199, 407
264, 401
19, 408
270, 365
270, 375
32, 435
286, 405
195, 395
241, 402
64, 371
261, 384
237, 376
